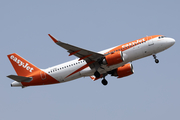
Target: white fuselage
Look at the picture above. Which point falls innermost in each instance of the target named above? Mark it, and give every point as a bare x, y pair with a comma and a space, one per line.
147, 48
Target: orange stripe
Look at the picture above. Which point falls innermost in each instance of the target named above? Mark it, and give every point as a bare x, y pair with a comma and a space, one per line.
40, 78
84, 57
74, 52
53, 38
131, 44
83, 67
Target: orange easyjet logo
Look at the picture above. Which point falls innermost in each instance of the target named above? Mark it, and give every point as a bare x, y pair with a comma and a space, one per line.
20, 63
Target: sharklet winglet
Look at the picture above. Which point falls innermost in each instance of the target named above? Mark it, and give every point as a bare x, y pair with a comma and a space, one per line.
54, 39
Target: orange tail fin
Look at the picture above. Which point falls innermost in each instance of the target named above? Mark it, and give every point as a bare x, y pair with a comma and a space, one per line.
22, 66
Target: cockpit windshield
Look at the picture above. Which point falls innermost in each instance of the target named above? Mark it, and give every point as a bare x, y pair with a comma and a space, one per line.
161, 36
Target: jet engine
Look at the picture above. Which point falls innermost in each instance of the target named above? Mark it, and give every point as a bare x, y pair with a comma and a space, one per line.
123, 71
113, 58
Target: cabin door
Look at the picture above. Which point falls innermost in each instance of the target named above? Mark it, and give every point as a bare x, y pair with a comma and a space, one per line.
43, 75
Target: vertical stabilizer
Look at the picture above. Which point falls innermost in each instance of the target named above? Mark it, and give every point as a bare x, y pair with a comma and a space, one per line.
22, 66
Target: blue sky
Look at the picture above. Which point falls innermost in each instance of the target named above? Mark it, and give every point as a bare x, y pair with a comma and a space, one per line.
152, 92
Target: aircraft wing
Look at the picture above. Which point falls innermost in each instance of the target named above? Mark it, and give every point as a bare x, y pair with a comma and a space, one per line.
81, 53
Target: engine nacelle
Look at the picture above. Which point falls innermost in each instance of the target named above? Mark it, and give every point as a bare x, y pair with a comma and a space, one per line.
123, 71
113, 58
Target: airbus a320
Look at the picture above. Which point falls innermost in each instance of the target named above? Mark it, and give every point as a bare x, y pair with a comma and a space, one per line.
115, 61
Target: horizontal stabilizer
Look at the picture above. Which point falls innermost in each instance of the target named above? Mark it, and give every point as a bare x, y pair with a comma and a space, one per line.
20, 78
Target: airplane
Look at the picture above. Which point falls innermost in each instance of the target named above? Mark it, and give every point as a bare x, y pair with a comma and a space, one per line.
115, 61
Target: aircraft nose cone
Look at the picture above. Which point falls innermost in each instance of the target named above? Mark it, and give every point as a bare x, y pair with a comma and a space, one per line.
170, 41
